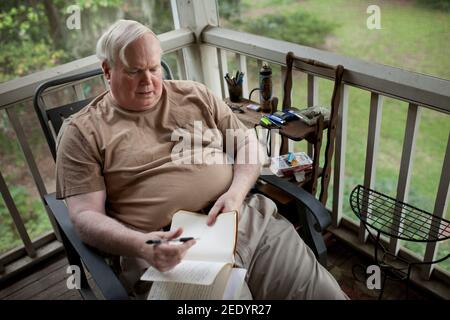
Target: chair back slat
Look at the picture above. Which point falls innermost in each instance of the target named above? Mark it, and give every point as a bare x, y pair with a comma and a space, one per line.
58, 114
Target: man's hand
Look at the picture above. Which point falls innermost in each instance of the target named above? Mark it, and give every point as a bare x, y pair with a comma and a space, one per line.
229, 201
165, 256
244, 177
87, 212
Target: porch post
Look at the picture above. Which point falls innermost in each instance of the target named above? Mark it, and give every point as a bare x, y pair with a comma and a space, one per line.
200, 60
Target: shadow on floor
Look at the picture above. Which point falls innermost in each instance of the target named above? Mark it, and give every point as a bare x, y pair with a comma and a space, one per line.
349, 269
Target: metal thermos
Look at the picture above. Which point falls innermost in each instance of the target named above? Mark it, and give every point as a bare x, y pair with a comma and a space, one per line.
265, 88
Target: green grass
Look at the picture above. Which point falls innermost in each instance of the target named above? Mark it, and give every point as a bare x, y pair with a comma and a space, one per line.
412, 38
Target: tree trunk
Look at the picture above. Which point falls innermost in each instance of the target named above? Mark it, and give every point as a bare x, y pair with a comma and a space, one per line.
57, 31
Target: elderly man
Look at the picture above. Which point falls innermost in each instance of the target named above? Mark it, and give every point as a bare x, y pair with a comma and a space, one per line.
115, 168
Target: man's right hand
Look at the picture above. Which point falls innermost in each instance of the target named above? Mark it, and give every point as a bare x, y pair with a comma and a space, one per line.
165, 256
87, 212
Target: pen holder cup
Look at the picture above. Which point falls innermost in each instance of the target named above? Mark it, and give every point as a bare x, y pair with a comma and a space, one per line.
235, 92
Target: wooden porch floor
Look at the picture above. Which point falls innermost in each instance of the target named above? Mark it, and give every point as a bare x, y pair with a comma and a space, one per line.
47, 281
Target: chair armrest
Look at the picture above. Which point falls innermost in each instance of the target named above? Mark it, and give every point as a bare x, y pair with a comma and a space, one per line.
103, 275
316, 208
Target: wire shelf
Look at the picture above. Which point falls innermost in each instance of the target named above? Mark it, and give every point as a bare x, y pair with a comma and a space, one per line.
397, 219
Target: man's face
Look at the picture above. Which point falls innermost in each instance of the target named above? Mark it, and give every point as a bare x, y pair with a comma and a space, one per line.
138, 86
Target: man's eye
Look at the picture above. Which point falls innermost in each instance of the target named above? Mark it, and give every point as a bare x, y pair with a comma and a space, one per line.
132, 71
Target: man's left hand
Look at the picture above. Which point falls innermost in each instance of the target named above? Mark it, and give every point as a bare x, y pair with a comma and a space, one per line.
229, 201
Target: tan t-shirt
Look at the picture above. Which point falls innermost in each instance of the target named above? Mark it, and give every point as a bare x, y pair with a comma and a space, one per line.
131, 154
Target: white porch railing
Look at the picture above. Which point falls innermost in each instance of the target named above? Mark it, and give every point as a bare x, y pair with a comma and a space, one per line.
193, 49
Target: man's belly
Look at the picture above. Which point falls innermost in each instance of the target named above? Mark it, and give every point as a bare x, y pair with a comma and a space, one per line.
147, 199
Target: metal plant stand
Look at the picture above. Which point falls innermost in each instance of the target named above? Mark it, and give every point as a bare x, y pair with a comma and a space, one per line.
381, 214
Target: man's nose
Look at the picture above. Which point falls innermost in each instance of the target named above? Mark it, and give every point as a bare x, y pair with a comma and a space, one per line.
146, 77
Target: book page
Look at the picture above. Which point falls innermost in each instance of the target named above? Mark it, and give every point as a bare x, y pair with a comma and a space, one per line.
187, 271
234, 285
216, 243
183, 291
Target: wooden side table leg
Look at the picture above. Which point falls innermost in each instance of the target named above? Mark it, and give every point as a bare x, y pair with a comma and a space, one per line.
331, 133
284, 145
316, 157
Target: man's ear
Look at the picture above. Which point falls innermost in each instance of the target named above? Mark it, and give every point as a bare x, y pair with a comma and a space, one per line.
106, 70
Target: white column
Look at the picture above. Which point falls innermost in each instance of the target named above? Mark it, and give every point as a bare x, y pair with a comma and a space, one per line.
200, 60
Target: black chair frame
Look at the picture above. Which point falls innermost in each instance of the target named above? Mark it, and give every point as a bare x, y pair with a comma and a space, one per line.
311, 214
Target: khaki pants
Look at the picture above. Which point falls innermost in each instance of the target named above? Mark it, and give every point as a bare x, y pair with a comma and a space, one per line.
279, 264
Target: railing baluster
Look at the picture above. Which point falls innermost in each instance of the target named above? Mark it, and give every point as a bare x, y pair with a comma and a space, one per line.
312, 99
291, 145
409, 143
262, 137
373, 137
339, 160
17, 219
181, 65
45, 101
256, 94
13, 118
275, 143
223, 70
440, 207
283, 70
241, 62
78, 88
106, 82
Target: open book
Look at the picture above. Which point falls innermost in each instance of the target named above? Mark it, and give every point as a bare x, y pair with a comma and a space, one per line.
206, 271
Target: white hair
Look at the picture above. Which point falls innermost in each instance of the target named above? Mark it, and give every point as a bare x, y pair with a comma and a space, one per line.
115, 40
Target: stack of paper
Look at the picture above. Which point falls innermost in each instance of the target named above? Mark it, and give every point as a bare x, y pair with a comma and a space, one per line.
288, 164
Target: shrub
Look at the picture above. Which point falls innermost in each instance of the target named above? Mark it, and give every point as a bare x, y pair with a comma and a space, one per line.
436, 4
297, 27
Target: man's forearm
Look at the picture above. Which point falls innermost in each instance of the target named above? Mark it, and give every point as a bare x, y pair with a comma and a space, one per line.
244, 178
245, 173
108, 235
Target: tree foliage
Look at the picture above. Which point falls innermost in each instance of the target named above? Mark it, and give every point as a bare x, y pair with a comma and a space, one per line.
34, 35
436, 4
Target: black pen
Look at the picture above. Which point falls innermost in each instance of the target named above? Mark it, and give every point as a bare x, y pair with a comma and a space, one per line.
159, 241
